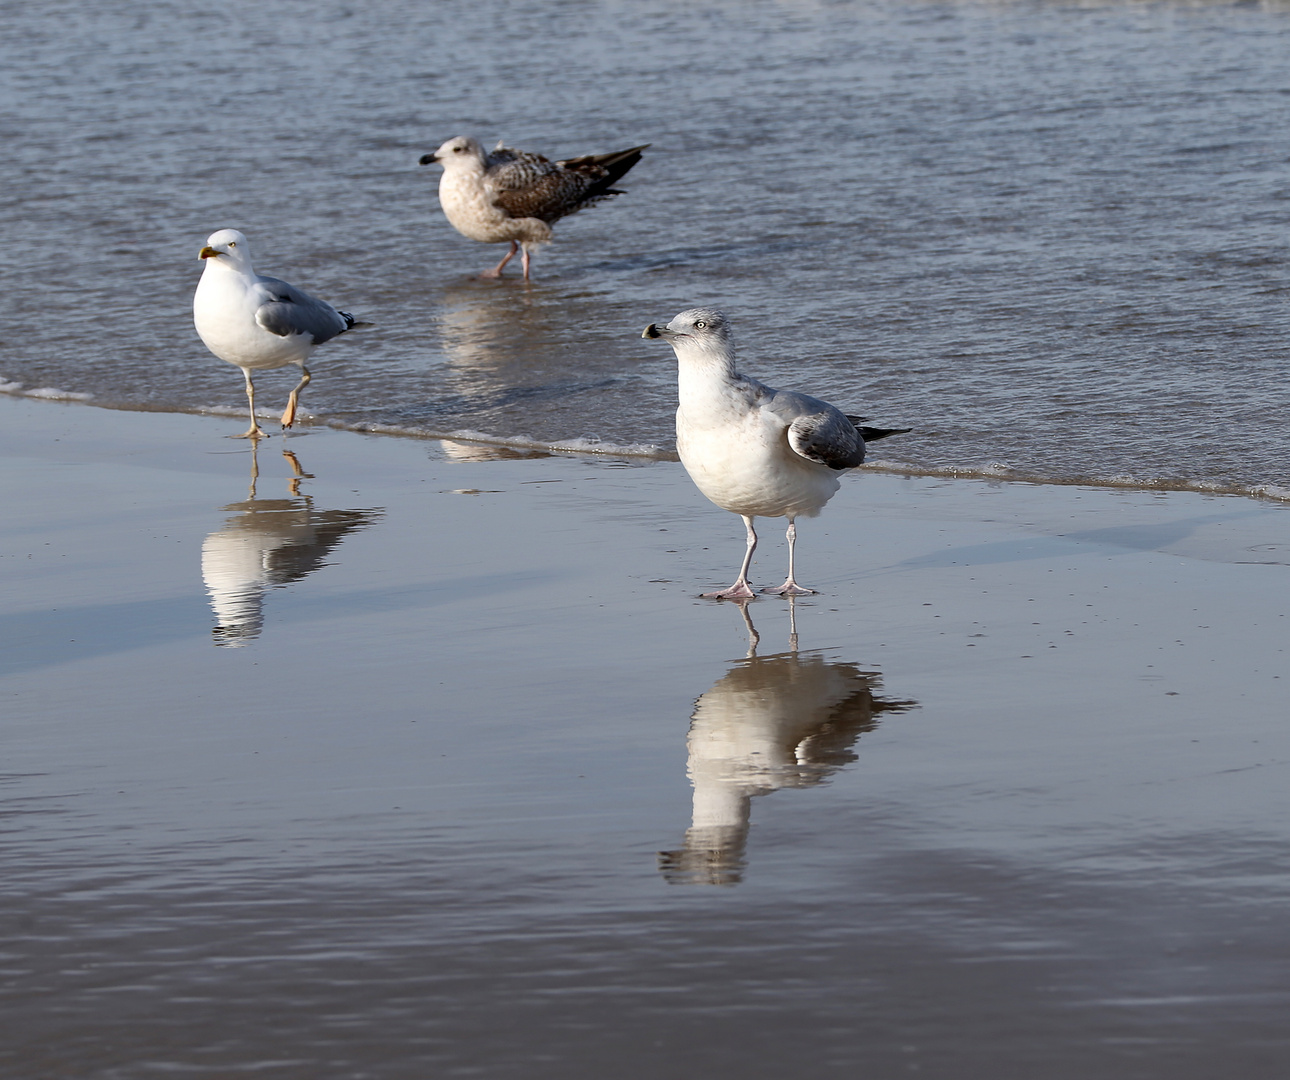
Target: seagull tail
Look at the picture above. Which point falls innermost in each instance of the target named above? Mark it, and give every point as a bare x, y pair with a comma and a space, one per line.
609, 168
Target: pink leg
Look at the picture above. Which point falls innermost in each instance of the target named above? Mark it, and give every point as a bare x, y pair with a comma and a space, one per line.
790, 586
526, 264
740, 590
254, 431
496, 271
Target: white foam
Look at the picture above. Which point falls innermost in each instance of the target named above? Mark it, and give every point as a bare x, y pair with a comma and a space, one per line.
48, 393
582, 445
1280, 492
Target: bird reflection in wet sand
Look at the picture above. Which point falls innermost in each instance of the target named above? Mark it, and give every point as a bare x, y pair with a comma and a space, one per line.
785, 720
266, 544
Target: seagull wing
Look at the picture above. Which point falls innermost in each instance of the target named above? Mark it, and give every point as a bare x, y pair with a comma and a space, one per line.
287, 310
528, 185
817, 431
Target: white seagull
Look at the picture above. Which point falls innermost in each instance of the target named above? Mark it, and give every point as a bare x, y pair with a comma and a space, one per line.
515, 196
258, 322
753, 450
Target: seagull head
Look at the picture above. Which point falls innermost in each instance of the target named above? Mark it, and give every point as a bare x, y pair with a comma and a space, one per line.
461, 152
228, 247
702, 328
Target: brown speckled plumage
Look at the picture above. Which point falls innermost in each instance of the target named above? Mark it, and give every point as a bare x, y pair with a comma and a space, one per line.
515, 196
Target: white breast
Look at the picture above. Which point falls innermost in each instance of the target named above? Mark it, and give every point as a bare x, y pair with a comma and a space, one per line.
224, 314
745, 465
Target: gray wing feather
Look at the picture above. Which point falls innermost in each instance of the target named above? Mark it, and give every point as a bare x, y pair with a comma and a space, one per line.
293, 311
817, 430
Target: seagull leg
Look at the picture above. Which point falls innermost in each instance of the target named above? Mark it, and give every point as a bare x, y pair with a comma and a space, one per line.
254, 431
790, 586
525, 260
740, 590
496, 271
289, 414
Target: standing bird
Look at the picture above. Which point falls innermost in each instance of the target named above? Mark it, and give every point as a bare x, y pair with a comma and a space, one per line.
753, 450
513, 195
258, 322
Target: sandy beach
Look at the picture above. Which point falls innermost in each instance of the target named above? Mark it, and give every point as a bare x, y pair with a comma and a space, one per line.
460, 777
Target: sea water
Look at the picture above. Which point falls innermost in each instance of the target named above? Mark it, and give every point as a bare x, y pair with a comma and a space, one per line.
1050, 238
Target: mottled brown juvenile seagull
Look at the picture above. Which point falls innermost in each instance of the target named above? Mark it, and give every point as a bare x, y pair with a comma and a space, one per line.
515, 196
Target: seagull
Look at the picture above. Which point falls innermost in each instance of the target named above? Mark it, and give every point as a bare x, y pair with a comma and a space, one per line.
751, 449
258, 322
516, 196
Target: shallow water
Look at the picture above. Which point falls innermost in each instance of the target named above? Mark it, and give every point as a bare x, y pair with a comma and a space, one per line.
1050, 238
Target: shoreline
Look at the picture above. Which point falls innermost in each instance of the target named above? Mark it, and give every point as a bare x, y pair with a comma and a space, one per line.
994, 473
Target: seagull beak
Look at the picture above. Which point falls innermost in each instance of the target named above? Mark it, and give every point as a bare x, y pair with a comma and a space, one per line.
208, 253
428, 159
654, 332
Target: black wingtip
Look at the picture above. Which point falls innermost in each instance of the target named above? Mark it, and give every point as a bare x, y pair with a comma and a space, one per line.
873, 434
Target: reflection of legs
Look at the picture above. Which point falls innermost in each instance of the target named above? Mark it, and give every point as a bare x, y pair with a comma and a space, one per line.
754, 638
253, 432
297, 472
740, 590
289, 414
790, 586
255, 470
496, 271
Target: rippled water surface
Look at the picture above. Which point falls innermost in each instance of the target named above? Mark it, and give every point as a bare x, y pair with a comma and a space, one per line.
370, 759
1051, 238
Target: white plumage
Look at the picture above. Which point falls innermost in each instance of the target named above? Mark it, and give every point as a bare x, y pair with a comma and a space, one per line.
751, 449
258, 322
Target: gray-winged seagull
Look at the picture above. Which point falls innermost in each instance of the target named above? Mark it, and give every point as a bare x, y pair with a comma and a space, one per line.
258, 322
753, 450
515, 196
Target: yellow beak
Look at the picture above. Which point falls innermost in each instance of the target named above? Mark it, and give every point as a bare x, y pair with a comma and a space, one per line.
208, 253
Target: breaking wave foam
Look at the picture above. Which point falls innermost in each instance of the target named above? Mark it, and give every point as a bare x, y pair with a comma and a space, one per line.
48, 393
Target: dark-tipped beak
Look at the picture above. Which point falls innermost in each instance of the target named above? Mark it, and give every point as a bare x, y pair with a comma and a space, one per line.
652, 331
428, 159
207, 253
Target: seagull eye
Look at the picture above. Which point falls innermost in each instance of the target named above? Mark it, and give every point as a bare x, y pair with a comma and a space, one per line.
232, 243
700, 326
458, 149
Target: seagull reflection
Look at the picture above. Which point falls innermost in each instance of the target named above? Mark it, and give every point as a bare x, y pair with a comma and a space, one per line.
785, 720
456, 450
268, 543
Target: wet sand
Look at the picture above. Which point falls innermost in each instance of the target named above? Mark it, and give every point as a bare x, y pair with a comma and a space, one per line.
459, 777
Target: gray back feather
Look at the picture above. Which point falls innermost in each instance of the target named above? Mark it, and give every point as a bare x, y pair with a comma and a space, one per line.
294, 311
817, 430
